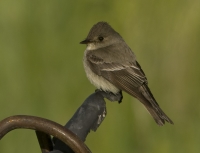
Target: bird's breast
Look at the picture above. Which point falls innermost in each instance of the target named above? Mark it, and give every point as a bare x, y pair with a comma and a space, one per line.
98, 81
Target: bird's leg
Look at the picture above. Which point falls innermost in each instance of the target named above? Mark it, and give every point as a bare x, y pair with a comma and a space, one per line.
121, 96
110, 96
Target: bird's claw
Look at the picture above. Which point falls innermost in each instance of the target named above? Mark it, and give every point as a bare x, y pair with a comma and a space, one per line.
110, 96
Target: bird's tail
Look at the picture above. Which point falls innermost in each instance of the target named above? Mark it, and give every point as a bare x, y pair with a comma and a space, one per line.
159, 116
152, 106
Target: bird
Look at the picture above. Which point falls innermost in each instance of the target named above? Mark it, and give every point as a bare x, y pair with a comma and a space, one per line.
112, 67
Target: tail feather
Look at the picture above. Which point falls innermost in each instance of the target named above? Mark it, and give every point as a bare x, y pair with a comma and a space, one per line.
152, 106
159, 116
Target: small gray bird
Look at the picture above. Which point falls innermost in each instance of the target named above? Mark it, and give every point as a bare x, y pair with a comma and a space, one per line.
112, 67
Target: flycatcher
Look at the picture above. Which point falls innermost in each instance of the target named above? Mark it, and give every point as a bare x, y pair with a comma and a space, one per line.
112, 67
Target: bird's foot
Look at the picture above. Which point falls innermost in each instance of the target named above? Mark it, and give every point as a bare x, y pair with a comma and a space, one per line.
110, 96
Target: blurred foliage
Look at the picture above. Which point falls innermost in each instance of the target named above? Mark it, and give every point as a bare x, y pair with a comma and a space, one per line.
41, 70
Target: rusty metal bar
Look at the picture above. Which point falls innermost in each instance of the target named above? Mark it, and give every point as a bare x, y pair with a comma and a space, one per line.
46, 126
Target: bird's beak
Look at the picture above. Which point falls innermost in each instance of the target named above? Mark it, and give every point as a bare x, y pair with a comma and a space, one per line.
86, 41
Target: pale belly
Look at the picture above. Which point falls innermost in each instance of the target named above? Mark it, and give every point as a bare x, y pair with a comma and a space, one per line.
98, 81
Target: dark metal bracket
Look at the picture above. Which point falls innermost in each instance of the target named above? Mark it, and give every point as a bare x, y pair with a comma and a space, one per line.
66, 139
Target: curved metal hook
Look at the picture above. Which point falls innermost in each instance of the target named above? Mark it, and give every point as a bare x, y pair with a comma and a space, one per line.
46, 126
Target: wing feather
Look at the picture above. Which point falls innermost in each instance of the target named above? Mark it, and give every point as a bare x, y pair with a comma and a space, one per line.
127, 76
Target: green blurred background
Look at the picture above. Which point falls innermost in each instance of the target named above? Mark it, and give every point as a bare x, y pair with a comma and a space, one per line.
41, 70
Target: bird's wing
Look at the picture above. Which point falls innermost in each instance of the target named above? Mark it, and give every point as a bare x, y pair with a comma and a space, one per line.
122, 71
126, 74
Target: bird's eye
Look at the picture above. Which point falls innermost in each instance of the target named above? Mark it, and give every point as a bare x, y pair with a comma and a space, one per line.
100, 38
